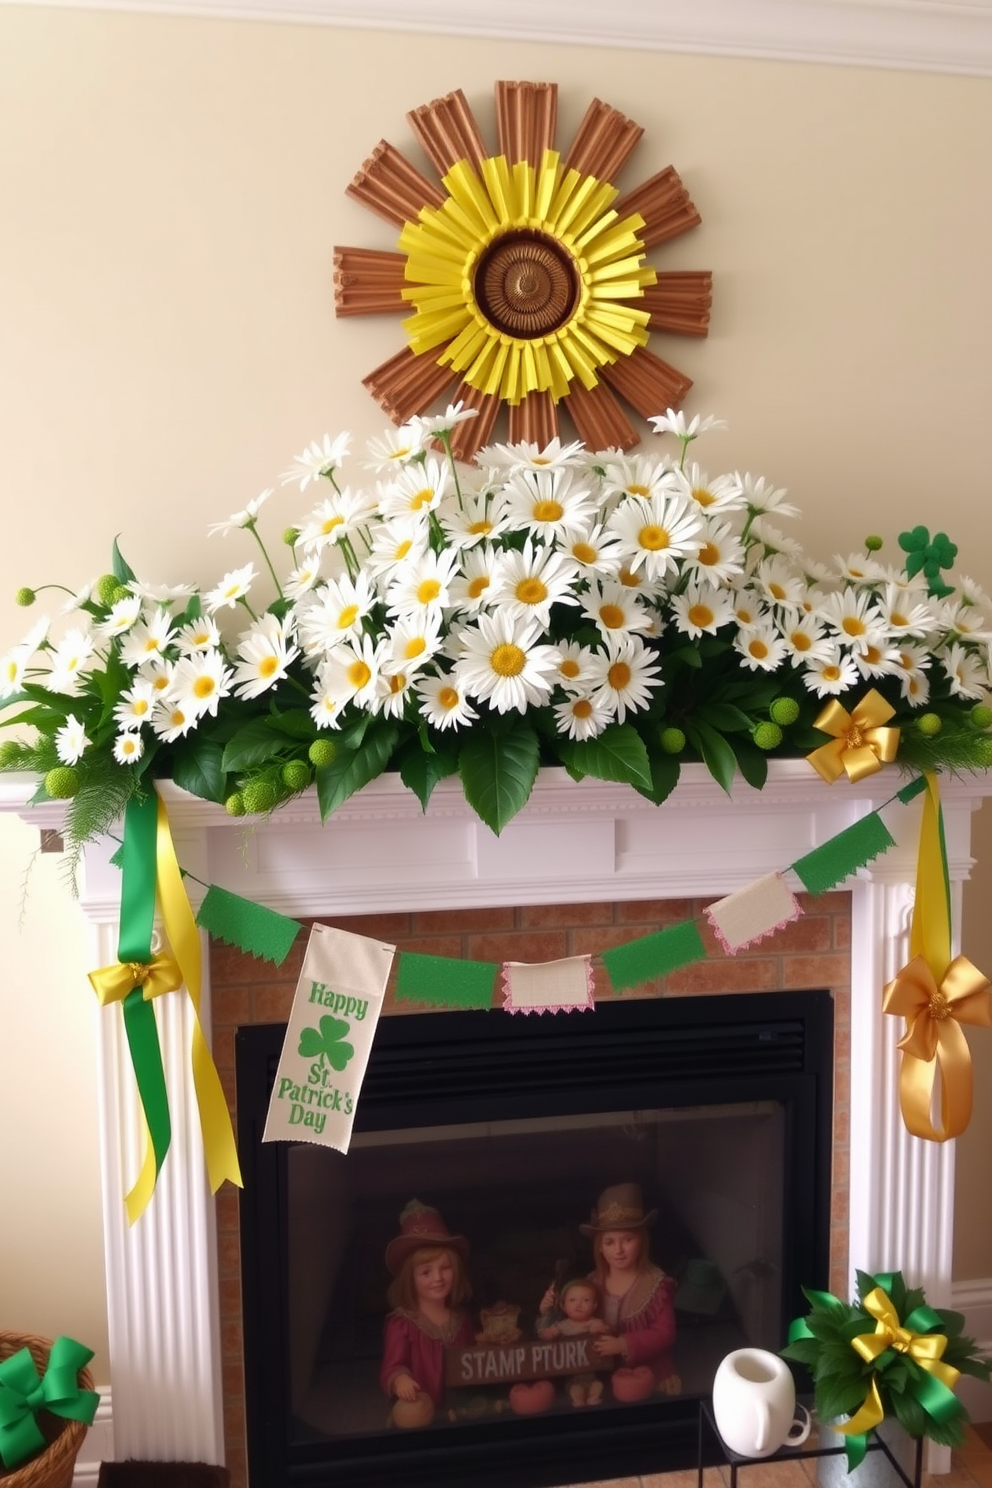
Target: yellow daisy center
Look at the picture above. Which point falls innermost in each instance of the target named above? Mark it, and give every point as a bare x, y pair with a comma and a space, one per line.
800, 640
831, 673
329, 525
776, 591
872, 655
478, 586
160, 684
397, 683
139, 707
548, 511
531, 591
479, 529
204, 687
508, 660
415, 646
744, 616
128, 746
448, 698
628, 579
347, 617
428, 591
582, 708
708, 554
655, 539
612, 616
853, 626
421, 498
704, 497
359, 674
11, 671
177, 718
569, 668
636, 489
619, 676
403, 548
898, 619
268, 666
151, 644
701, 615
757, 649
584, 552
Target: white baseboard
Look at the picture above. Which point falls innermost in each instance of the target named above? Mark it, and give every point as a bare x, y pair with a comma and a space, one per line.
99, 1443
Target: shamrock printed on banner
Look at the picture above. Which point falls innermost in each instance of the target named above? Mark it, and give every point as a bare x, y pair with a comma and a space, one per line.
327, 1044
930, 556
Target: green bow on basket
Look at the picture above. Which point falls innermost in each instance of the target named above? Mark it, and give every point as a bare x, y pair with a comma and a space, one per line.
888, 1355
24, 1393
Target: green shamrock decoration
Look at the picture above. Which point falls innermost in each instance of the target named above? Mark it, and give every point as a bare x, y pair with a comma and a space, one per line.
930, 557
328, 1044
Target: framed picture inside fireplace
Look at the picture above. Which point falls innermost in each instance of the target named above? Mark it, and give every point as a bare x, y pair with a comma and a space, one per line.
545, 1237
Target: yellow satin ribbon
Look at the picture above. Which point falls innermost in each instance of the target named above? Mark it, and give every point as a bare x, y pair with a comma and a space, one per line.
860, 744
925, 1349
870, 1412
935, 995
219, 1146
114, 983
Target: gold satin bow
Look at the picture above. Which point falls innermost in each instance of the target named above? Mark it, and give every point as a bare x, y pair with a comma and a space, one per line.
860, 744
114, 983
925, 1349
934, 1038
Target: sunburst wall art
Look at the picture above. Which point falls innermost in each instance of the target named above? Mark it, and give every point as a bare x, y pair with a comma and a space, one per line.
523, 275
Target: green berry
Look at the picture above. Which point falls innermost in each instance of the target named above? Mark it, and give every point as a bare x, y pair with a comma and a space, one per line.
767, 736
296, 774
983, 752
121, 592
929, 725
62, 782
259, 796
291, 536
981, 716
873, 544
105, 588
235, 804
25, 597
322, 752
672, 740
784, 710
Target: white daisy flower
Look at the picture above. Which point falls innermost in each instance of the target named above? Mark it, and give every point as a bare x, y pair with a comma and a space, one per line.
902, 614
526, 455
68, 661
853, 617
134, 706
472, 588
967, 675
858, 568
672, 422
158, 675
350, 672
170, 721
805, 639
701, 610
12, 665
973, 592
302, 579
760, 648
395, 543
395, 448
530, 582
478, 519
319, 458
917, 584
875, 659
657, 531
724, 494
146, 639
393, 689
82, 596
265, 650
334, 518
967, 620
830, 675
197, 635
641, 476
244, 518
773, 540
232, 587
501, 662
595, 549
639, 583
71, 741
551, 504
416, 489
163, 594
624, 676
443, 703
614, 608
760, 496
575, 670
720, 559
438, 425
128, 748
122, 616
915, 688
582, 717
777, 581
422, 588
411, 643
325, 710
199, 682
333, 612
913, 660
749, 612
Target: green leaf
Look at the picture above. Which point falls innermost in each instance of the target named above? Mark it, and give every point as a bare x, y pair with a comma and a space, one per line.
123, 572
253, 744
421, 770
498, 770
751, 761
717, 755
618, 753
296, 723
723, 716
686, 656
665, 771
354, 768
198, 766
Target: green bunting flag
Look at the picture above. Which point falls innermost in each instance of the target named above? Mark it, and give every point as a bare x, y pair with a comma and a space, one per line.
654, 955
251, 927
438, 981
844, 854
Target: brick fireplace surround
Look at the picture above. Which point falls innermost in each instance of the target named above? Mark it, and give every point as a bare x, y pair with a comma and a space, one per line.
584, 867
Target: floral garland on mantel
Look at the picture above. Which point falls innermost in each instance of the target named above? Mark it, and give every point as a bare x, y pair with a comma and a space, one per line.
610, 613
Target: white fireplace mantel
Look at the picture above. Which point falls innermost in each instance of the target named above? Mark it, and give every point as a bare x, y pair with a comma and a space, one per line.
572, 843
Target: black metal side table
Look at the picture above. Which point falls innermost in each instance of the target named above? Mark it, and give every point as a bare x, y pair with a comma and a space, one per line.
734, 1460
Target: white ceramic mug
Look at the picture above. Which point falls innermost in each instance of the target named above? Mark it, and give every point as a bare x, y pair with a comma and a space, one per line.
754, 1404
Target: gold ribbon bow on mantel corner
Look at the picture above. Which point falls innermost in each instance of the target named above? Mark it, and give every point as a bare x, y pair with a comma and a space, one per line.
860, 742
935, 1040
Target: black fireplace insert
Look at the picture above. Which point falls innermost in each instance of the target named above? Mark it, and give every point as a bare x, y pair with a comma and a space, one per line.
504, 1148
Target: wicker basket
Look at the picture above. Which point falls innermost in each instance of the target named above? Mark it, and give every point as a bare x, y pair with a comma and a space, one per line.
53, 1467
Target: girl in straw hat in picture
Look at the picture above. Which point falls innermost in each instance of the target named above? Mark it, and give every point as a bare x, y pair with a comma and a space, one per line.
636, 1295
429, 1285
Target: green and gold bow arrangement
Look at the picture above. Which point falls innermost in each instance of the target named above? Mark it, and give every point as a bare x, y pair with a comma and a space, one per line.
24, 1393
860, 742
936, 994
151, 876
889, 1354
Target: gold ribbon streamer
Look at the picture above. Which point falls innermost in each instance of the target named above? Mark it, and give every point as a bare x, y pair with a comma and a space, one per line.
869, 1414
860, 744
219, 1146
925, 1349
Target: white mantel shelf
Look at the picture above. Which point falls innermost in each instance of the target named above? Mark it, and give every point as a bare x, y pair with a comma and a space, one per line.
572, 843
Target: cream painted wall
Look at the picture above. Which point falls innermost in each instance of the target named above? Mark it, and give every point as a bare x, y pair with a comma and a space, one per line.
171, 193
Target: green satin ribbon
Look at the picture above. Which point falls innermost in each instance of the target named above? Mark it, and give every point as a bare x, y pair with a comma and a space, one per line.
23, 1393
916, 1340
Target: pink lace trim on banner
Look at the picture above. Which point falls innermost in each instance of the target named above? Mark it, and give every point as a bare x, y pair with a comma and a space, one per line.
731, 950
588, 1006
